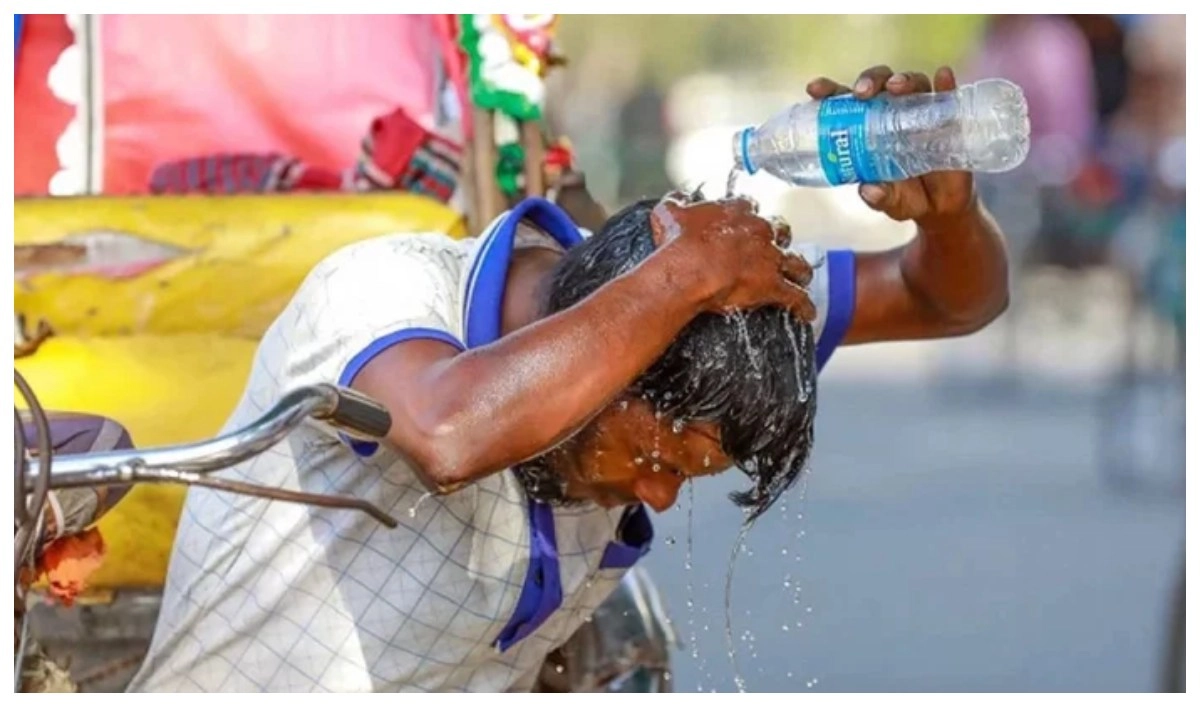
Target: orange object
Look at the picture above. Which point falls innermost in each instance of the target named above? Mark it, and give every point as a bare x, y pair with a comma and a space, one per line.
68, 562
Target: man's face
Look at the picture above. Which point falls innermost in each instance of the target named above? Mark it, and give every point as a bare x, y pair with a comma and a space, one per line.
627, 454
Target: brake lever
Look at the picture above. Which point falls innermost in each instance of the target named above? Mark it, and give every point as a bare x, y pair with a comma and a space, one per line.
191, 478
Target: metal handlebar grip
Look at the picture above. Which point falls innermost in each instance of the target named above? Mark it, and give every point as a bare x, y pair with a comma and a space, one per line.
356, 413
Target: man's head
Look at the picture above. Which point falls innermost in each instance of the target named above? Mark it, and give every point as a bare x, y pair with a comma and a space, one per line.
737, 390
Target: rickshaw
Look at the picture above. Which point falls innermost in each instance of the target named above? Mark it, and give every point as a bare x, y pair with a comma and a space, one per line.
138, 307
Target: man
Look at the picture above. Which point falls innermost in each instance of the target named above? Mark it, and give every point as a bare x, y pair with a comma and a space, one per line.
544, 387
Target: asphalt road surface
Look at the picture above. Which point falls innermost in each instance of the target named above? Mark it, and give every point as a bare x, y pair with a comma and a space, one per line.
950, 540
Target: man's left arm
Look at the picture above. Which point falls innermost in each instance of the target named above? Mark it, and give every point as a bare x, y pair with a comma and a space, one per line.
952, 278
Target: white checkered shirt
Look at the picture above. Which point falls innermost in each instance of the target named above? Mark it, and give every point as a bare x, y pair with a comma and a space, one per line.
280, 597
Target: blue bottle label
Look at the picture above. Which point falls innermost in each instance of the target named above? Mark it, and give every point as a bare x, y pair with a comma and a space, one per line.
842, 141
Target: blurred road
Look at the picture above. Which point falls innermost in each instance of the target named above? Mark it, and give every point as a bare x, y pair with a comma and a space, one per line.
955, 539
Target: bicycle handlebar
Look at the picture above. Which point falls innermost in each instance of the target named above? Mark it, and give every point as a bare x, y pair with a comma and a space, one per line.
189, 463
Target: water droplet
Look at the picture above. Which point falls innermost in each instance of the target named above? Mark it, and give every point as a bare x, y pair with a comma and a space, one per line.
559, 669
808, 609
738, 545
656, 467
785, 627
624, 404
783, 551
691, 590
639, 461
802, 382
667, 674
412, 512
707, 461
815, 681
677, 426
670, 540
789, 674
587, 619
808, 683
731, 181
654, 454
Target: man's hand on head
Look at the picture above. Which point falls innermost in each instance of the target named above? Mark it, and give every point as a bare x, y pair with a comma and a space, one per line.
742, 256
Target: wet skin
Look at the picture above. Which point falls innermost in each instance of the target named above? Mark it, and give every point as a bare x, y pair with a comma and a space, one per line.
462, 416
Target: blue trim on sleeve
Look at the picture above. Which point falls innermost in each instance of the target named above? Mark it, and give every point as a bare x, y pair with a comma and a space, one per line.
634, 536
18, 30
376, 347
840, 266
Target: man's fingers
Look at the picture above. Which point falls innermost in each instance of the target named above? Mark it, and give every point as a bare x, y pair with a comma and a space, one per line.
944, 79
948, 191
796, 269
909, 82
745, 204
871, 81
796, 301
783, 232
900, 201
825, 87
880, 197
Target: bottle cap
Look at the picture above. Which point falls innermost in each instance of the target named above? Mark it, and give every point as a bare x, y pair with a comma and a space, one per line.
741, 150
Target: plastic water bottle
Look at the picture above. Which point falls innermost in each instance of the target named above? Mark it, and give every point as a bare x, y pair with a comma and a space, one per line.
981, 127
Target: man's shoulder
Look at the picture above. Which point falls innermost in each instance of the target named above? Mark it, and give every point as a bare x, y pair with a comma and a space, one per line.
377, 271
429, 249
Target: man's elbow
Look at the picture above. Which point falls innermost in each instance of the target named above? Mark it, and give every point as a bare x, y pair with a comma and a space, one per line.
441, 454
978, 319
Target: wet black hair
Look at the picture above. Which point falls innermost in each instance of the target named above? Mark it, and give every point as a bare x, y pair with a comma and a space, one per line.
752, 373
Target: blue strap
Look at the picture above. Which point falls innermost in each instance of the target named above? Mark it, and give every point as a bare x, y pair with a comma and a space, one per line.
634, 535
489, 272
840, 266
542, 593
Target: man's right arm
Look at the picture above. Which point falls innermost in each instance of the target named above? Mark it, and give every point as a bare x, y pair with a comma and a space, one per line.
463, 415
